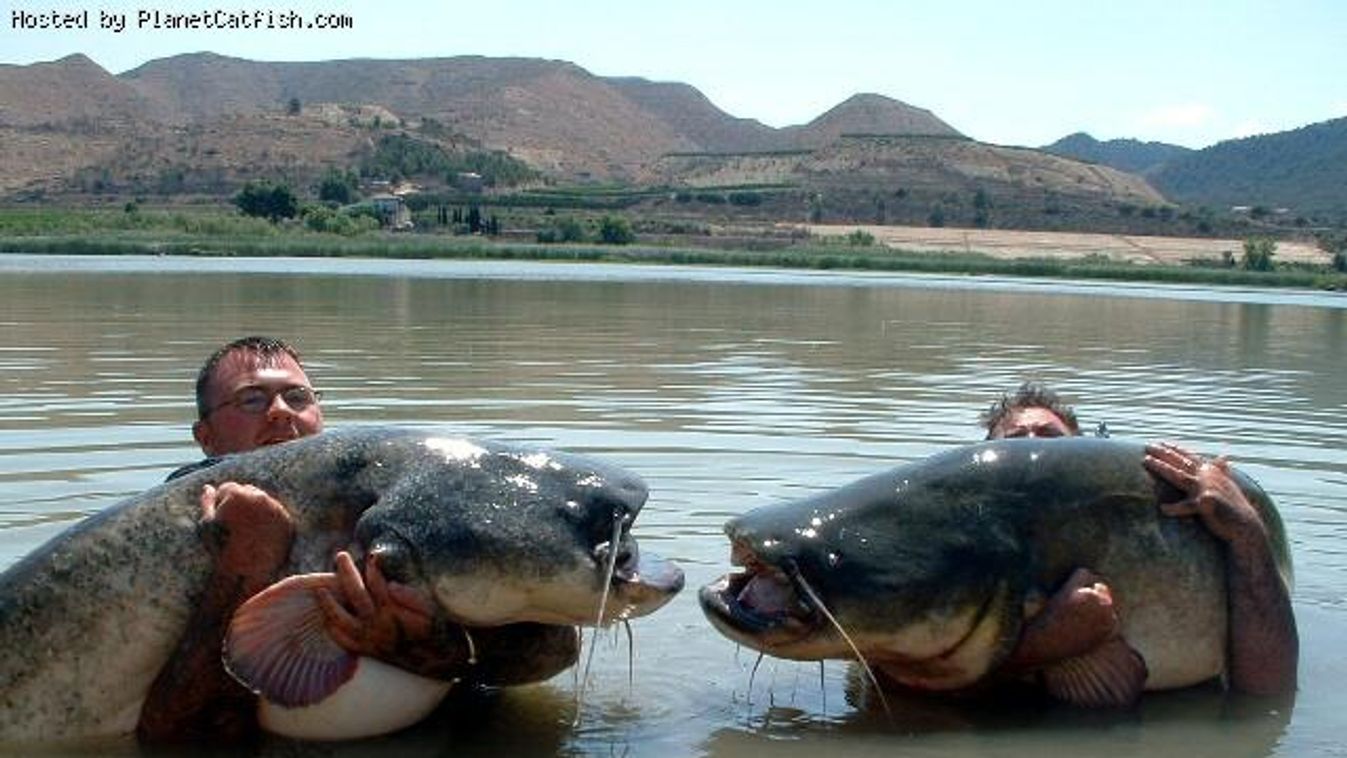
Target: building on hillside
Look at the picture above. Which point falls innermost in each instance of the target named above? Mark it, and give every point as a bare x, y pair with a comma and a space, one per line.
392, 211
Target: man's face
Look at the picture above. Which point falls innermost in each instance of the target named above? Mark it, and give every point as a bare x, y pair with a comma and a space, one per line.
1030, 422
248, 395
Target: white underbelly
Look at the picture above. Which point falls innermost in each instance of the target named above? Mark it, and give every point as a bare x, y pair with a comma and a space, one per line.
379, 699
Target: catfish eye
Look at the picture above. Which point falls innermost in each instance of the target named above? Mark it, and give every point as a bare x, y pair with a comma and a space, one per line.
395, 563
598, 519
626, 553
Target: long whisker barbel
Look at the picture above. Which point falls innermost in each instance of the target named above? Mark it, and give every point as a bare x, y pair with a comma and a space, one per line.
472, 647
823, 687
608, 575
631, 656
748, 699
818, 603
579, 646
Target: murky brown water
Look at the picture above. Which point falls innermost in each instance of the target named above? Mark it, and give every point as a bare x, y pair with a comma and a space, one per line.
725, 390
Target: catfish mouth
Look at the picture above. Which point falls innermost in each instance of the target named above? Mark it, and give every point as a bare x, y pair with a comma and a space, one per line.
642, 583
762, 605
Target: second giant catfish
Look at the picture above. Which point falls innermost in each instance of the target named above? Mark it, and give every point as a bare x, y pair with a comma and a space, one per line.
930, 571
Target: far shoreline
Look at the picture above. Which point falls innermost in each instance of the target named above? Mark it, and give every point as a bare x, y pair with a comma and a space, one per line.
889, 261
1050, 255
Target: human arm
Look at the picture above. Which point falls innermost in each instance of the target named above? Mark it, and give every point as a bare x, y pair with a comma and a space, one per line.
1076, 618
1074, 646
1264, 644
248, 534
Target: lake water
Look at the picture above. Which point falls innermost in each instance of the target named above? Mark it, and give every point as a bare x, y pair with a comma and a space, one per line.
725, 389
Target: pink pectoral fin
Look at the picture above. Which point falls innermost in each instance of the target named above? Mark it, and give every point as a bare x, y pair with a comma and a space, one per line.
1110, 676
278, 646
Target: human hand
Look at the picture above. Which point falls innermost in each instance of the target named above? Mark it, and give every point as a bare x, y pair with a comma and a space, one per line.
1077, 618
377, 616
1211, 493
254, 532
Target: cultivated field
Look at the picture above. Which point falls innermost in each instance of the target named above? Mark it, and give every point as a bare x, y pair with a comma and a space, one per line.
1021, 244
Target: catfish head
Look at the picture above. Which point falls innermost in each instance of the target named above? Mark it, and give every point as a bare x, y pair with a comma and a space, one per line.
904, 571
499, 535
509, 548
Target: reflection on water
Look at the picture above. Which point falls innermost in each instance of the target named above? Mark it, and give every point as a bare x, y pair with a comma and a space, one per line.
726, 390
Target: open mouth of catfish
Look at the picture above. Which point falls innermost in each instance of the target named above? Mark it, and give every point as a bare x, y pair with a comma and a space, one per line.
760, 604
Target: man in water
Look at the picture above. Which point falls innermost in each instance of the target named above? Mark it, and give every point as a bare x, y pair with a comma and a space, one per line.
251, 393
1264, 644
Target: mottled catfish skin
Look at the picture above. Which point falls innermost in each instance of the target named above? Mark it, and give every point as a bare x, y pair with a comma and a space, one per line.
933, 567
87, 620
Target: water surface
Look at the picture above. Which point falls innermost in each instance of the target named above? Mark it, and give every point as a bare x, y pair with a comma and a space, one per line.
725, 389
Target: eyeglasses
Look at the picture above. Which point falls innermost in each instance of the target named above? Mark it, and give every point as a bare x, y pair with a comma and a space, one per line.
255, 401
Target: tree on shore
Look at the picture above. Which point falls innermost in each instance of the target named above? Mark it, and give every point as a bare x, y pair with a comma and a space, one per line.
339, 187
615, 230
1336, 244
937, 217
562, 229
1258, 252
264, 199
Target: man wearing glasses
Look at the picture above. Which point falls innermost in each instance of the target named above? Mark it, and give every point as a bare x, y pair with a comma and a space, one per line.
250, 393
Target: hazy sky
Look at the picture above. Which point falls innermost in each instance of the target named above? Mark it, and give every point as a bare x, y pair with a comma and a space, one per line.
1027, 72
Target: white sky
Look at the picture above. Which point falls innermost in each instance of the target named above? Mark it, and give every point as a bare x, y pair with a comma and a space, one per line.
1027, 72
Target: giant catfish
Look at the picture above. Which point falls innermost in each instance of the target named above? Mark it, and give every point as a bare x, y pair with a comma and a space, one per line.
929, 571
514, 545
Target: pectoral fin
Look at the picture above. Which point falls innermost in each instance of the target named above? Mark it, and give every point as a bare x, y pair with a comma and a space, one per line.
1111, 675
278, 646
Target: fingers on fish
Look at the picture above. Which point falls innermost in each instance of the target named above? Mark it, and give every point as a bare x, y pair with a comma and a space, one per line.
207, 501
1177, 464
409, 608
280, 647
353, 586
1172, 473
1173, 454
1175, 476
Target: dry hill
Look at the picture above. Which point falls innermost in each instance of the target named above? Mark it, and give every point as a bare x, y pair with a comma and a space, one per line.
696, 119
71, 93
868, 114
204, 123
552, 114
